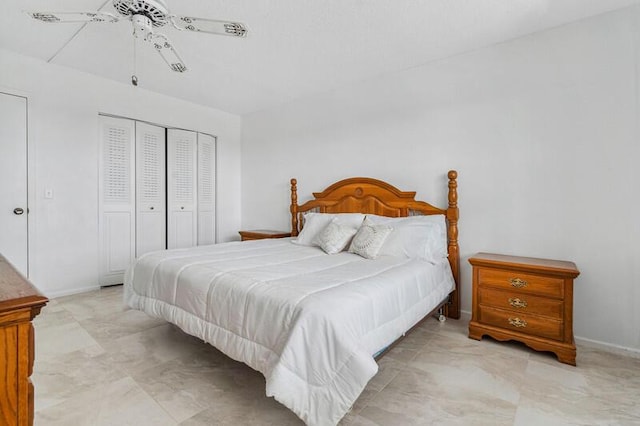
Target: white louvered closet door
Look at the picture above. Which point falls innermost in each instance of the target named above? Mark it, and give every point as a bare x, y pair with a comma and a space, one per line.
150, 189
117, 204
182, 222
206, 189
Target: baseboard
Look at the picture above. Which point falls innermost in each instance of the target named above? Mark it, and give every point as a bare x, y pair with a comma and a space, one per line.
608, 347
465, 315
69, 291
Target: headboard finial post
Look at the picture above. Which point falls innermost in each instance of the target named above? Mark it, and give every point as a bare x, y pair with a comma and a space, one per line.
453, 188
453, 309
294, 207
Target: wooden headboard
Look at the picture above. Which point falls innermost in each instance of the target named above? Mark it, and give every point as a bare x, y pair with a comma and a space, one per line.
372, 196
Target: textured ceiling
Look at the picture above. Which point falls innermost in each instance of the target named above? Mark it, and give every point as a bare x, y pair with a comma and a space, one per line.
294, 47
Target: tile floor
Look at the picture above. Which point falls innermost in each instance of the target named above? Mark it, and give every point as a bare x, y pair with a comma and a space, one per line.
99, 363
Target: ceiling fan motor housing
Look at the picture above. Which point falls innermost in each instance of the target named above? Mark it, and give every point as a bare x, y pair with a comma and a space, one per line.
155, 10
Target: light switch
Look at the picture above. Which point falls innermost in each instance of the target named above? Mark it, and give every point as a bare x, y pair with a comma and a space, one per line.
48, 193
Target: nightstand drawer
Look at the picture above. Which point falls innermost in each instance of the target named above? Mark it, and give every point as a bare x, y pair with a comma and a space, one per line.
520, 302
524, 283
525, 323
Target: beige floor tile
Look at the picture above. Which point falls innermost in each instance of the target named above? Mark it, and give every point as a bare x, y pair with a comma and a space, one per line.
149, 348
416, 397
93, 304
577, 396
51, 315
121, 402
60, 378
388, 369
62, 339
357, 420
109, 327
188, 385
233, 409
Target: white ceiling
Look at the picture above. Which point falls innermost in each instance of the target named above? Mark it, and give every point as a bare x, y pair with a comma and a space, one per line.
294, 47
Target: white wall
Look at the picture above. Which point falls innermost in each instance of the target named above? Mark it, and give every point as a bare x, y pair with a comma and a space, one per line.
63, 141
543, 131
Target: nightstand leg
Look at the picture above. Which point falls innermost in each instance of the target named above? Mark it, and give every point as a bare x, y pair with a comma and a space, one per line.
567, 357
474, 333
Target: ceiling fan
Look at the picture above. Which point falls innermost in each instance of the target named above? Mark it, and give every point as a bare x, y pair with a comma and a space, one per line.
145, 15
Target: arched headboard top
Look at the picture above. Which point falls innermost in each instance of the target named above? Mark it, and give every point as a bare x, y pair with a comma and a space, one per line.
367, 195
373, 196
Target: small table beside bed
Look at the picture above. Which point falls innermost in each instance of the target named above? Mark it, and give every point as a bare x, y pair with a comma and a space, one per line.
312, 312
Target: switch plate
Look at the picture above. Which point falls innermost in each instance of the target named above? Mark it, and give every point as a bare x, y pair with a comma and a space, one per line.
48, 193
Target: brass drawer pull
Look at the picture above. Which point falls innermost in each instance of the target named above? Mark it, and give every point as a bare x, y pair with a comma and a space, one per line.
517, 303
517, 282
517, 322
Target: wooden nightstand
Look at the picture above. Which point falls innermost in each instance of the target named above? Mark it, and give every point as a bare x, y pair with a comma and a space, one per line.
524, 299
261, 234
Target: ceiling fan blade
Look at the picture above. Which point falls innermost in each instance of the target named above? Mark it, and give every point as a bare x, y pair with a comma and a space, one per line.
210, 26
167, 51
73, 17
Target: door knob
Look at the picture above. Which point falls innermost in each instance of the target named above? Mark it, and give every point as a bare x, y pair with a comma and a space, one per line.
18, 211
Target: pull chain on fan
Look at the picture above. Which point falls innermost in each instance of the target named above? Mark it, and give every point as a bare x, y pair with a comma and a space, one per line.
134, 77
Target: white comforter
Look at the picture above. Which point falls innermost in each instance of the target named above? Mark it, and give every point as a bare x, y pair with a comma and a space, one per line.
308, 321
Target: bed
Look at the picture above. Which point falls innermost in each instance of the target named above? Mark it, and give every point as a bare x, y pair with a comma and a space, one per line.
312, 323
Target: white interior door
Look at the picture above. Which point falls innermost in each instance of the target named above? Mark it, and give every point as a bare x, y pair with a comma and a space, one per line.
13, 181
117, 204
206, 189
151, 198
181, 189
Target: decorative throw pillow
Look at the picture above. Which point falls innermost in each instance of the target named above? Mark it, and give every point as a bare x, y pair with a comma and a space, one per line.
315, 222
335, 236
369, 239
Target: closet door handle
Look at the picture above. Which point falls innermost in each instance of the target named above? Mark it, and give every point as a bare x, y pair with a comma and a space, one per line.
182, 208
151, 208
18, 211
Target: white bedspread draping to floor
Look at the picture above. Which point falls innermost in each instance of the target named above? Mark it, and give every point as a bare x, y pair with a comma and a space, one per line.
308, 321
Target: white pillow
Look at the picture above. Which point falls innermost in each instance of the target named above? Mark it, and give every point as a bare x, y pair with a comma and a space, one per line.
316, 222
335, 236
416, 237
369, 239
